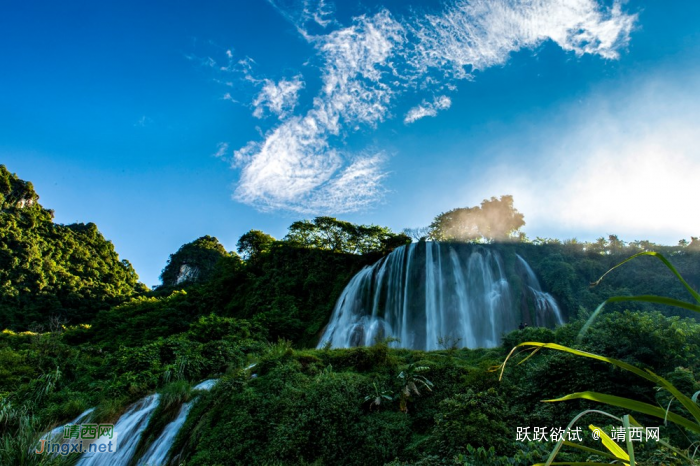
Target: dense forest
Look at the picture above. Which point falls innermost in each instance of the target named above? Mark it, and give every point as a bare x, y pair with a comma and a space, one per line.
82, 332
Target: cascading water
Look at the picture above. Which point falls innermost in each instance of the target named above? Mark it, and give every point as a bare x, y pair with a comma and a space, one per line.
157, 453
128, 432
545, 305
56, 436
430, 295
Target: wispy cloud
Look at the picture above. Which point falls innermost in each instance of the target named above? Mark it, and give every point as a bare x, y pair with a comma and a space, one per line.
475, 35
143, 122
295, 167
279, 98
221, 150
306, 14
427, 109
300, 164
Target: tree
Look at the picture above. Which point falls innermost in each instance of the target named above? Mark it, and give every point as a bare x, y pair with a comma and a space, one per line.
340, 236
254, 243
193, 262
50, 270
494, 220
694, 244
615, 244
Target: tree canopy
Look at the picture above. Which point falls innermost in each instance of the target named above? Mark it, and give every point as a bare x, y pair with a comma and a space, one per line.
253, 243
193, 262
495, 220
49, 270
340, 236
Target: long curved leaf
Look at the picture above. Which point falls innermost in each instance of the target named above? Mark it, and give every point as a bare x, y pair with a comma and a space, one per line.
610, 444
590, 450
666, 263
656, 300
632, 405
692, 408
588, 463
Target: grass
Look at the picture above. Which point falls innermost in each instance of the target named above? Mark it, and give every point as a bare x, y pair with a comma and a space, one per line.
624, 454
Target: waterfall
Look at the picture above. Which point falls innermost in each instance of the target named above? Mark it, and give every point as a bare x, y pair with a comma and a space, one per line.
127, 431
430, 295
157, 453
56, 434
545, 305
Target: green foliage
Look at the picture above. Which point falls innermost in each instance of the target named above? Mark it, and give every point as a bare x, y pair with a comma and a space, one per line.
69, 272
332, 406
646, 339
289, 292
525, 456
213, 327
193, 262
495, 220
567, 271
18, 448
411, 378
378, 397
472, 418
254, 243
688, 419
338, 236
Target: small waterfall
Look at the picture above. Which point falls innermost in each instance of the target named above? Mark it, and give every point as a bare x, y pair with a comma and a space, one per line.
128, 432
56, 434
545, 305
431, 295
157, 453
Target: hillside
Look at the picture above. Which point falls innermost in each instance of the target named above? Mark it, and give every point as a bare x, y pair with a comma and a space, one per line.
250, 321
51, 274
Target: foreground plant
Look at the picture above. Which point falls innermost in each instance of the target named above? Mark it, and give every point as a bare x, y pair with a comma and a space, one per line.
378, 397
689, 420
411, 378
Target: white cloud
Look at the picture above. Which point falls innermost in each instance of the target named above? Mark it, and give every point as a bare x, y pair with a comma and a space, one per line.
283, 170
279, 98
221, 150
143, 122
297, 165
427, 109
357, 186
306, 13
477, 34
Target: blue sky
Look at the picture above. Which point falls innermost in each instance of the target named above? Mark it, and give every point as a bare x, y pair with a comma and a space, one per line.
168, 121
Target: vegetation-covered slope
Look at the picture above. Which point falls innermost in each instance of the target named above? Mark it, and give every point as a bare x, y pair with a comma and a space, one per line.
296, 405
50, 272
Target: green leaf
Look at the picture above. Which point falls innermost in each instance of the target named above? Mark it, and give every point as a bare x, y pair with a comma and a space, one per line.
632, 405
610, 444
656, 300
589, 450
666, 263
692, 407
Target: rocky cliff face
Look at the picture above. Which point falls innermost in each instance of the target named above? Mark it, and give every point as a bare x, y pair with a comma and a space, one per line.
193, 262
187, 274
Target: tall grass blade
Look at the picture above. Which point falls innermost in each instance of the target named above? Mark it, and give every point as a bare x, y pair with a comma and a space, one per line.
628, 438
666, 263
633, 405
610, 444
692, 407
